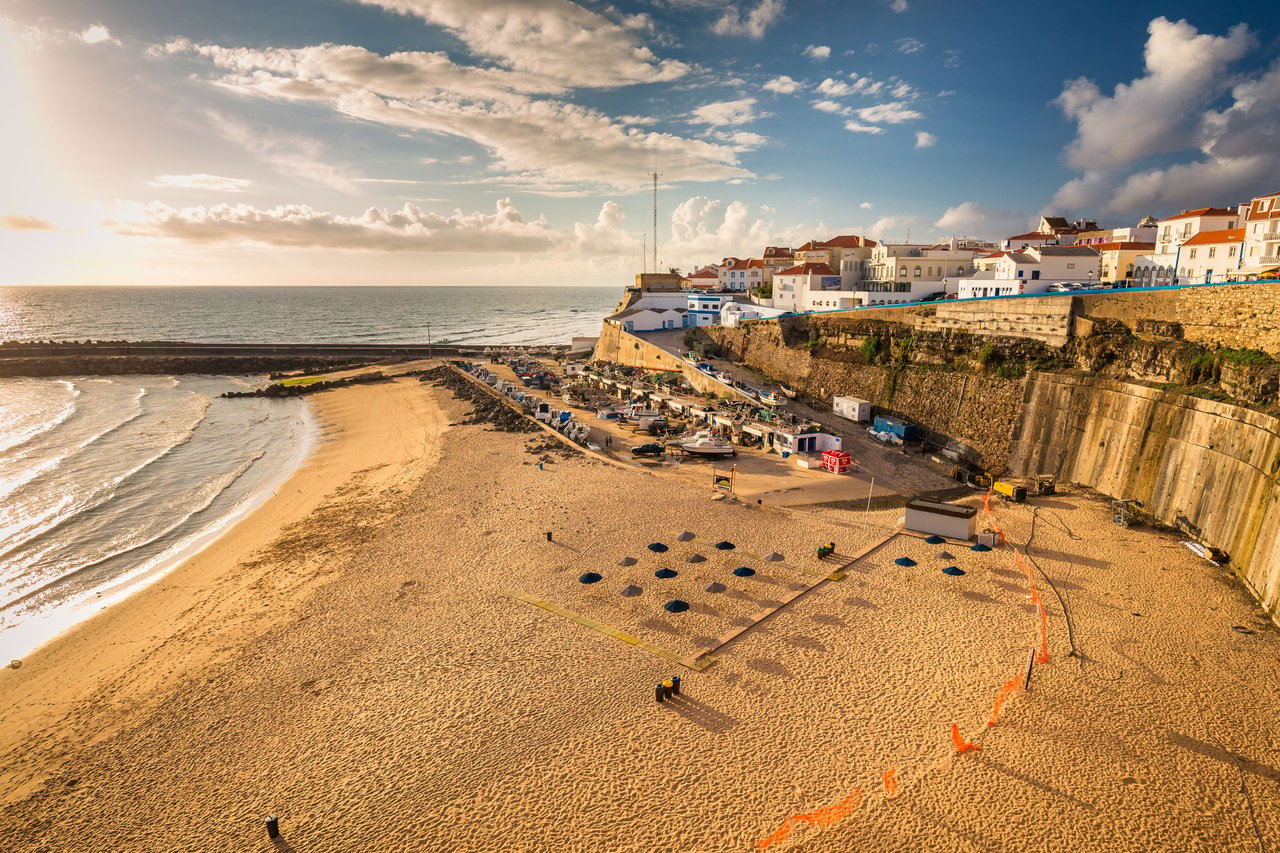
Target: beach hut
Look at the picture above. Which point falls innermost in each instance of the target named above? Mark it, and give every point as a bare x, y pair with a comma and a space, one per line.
941, 519
836, 461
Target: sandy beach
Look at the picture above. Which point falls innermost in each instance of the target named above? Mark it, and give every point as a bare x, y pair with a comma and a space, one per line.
361, 658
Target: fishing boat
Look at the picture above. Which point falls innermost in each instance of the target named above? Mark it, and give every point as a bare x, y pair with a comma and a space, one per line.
705, 445
789, 392
769, 398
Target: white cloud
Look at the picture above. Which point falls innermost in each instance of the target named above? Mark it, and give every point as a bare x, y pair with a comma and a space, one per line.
539, 143
607, 235
408, 229
743, 140
894, 112
866, 205
19, 222
1185, 71
753, 24
721, 113
817, 52
898, 5
882, 226
972, 219
835, 88
98, 34
910, 45
297, 156
556, 39
855, 127
951, 59
832, 107
924, 139
202, 181
782, 85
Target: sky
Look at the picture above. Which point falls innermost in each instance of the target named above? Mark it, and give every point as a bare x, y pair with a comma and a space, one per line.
456, 142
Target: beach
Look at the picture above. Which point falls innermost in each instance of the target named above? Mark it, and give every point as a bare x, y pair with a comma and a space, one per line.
361, 657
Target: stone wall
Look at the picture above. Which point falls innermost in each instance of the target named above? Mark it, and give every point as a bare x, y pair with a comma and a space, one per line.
1242, 316
1209, 468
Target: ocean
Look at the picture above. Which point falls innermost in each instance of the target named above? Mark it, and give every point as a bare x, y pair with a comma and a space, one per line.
106, 482
305, 315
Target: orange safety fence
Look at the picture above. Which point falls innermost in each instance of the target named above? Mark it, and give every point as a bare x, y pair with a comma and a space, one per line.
823, 817
962, 745
1006, 691
890, 783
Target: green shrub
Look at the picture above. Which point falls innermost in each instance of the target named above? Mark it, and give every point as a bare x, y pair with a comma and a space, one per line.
869, 348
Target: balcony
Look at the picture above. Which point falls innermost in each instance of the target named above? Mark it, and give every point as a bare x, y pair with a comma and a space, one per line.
1269, 260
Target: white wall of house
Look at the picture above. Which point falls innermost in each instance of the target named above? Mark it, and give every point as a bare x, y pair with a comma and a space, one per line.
797, 292
1174, 231
1262, 235
1207, 263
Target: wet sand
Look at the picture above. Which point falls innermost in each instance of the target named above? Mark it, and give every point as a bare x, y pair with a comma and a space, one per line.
369, 678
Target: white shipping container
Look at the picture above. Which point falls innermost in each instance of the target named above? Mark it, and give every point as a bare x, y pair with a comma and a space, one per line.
851, 408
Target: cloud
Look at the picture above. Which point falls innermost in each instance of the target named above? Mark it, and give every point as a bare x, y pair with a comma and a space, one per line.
782, 85
703, 229
555, 39
898, 5
1237, 146
924, 139
214, 183
855, 127
866, 205
975, 220
722, 113
817, 52
98, 34
753, 24
539, 143
297, 226
743, 140
1185, 71
19, 222
607, 235
297, 156
910, 45
951, 59
894, 112
835, 88
885, 224
832, 107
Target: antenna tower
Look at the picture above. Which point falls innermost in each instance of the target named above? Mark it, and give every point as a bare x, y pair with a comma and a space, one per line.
655, 174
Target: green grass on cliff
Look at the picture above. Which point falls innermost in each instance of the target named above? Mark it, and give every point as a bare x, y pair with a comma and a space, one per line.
1243, 357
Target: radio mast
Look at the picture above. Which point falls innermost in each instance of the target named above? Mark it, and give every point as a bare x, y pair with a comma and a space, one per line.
655, 174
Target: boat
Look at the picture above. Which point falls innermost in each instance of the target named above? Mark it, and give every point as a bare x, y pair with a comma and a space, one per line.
1213, 555
789, 392
769, 398
703, 444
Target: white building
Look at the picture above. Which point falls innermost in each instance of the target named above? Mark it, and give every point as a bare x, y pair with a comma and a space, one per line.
1262, 236
636, 319
705, 308
809, 287
1212, 256
1031, 271
899, 273
733, 314
704, 278
1176, 230
741, 276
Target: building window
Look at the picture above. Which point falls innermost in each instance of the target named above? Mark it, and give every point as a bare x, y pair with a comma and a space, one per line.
903, 272
917, 272
1213, 250
1231, 223
1231, 252
959, 270
1192, 255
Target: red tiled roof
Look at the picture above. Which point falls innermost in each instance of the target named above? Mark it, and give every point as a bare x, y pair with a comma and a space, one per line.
1227, 235
1123, 245
807, 269
704, 274
848, 241
1202, 211
778, 252
994, 254
756, 263
1033, 235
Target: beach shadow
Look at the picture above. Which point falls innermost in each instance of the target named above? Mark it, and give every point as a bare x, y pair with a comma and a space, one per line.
1069, 559
769, 603
769, 667
861, 602
1226, 756
658, 625
1119, 648
1054, 504
1008, 573
806, 643
979, 596
1016, 589
977, 841
833, 621
1035, 783
742, 622
701, 714
565, 547
705, 610
704, 642
796, 586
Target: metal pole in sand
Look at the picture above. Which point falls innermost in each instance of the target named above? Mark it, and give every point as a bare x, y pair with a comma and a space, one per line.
1031, 661
867, 512
273, 827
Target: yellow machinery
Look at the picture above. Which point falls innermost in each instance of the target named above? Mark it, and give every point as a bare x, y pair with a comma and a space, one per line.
1009, 491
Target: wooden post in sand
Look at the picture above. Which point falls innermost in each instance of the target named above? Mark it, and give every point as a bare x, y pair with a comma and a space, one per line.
658, 692
273, 827
1031, 661
548, 535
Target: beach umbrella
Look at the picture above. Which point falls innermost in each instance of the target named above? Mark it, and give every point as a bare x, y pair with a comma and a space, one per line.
631, 591
980, 547
676, 606
695, 558
744, 572
686, 536
665, 573
627, 561
773, 557
590, 577
657, 547
715, 587
905, 561
953, 570
934, 539
725, 546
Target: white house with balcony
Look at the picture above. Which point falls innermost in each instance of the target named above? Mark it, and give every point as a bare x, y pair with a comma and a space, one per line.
1166, 265
1032, 271
1212, 256
733, 314
741, 275
1262, 237
809, 287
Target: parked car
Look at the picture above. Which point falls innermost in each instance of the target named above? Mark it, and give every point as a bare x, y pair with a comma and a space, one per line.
935, 297
651, 448
1059, 288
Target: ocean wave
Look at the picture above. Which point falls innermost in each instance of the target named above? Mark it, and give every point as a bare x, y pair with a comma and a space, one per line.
33, 432
205, 495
